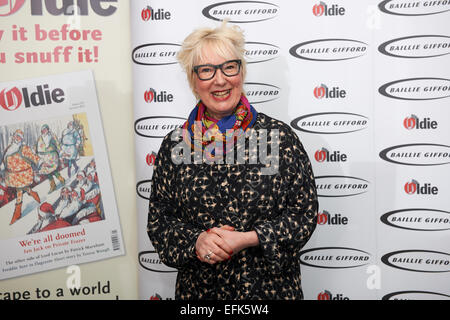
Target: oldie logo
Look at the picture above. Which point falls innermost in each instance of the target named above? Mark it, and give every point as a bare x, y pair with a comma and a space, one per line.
143, 189
329, 49
150, 158
151, 95
10, 7
425, 46
414, 7
325, 218
334, 257
324, 155
156, 296
416, 295
330, 123
11, 99
157, 127
241, 11
323, 9
323, 92
413, 122
156, 54
418, 219
418, 260
261, 92
148, 13
417, 154
260, 52
56, 8
417, 89
150, 261
327, 295
340, 186
414, 187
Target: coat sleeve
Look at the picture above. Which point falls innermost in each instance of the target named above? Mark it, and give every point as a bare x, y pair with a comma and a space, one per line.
282, 238
173, 238
28, 153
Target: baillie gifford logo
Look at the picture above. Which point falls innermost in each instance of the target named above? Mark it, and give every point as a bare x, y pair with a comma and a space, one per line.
335, 49
322, 9
241, 11
150, 14
413, 7
41, 95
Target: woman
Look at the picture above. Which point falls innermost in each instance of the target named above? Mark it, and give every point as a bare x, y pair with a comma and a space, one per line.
47, 148
232, 231
18, 162
70, 143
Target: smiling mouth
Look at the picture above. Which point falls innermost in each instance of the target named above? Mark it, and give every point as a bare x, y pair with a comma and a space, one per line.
221, 94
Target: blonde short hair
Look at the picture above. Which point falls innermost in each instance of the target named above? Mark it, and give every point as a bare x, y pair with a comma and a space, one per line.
227, 41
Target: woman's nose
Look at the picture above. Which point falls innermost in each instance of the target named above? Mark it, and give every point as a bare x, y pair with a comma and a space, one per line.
219, 77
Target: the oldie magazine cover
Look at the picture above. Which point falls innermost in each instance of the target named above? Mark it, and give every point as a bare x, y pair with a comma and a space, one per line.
57, 202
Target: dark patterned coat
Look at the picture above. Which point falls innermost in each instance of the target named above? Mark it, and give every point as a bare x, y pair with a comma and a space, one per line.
187, 199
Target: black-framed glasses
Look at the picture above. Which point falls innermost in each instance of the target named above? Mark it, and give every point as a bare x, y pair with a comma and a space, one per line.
208, 71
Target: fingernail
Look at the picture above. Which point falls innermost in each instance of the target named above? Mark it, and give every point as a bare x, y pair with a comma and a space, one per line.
231, 252
208, 230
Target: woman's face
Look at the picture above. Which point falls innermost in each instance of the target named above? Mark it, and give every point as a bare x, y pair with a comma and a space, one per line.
220, 94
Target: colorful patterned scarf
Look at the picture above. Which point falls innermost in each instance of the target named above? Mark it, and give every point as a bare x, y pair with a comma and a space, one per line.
200, 129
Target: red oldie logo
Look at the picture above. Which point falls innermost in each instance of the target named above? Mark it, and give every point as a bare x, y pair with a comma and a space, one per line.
324, 92
414, 187
326, 218
10, 100
55, 8
150, 158
325, 155
146, 13
322, 218
326, 295
14, 5
152, 96
411, 187
319, 92
149, 95
410, 122
155, 297
413, 122
324, 9
321, 155
318, 9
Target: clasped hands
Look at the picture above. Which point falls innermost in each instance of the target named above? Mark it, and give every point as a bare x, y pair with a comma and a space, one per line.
220, 244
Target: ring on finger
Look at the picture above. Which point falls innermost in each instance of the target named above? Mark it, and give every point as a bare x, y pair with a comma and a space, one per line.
208, 256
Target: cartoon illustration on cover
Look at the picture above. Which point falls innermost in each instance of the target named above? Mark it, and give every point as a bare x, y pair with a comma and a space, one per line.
48, 176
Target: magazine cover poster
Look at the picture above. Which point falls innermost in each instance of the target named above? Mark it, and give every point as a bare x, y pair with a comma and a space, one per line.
57, 203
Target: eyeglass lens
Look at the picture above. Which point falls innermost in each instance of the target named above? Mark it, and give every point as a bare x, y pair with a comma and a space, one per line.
229, 68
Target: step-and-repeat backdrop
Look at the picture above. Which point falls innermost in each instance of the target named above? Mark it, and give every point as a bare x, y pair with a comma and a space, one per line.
366, 86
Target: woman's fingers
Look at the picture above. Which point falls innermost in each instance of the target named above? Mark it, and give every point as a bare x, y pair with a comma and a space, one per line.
227, 227
226, 248
210, 248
